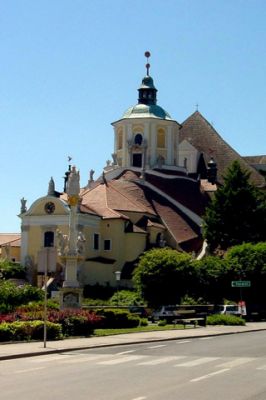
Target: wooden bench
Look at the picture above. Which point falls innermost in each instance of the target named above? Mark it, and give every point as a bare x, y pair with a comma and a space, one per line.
190, 317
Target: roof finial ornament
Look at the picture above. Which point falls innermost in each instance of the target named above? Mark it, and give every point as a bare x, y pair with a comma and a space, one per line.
147, 54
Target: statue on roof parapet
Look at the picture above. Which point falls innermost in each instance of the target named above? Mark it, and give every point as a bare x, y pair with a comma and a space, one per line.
23, 207
51, 187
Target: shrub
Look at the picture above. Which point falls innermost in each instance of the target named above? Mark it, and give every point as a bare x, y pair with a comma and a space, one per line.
143, 322
126, 298
162, 322
113, 318
220, 319
75, 322
28, 330
38, 306
12, 296
12, 270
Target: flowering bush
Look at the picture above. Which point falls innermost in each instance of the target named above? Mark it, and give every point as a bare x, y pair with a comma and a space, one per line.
74, 322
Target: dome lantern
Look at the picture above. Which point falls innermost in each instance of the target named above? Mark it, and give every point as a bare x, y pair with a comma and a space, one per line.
147, 90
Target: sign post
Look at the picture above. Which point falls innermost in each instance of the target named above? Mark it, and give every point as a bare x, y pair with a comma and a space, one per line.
240, 284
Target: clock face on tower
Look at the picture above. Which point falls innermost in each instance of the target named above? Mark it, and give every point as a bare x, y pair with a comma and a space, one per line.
49, 207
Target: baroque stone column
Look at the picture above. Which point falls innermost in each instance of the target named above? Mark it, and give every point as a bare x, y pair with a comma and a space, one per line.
69, 247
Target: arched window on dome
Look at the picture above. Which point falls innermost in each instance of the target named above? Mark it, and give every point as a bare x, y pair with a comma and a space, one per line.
161, 138
138, 139
119, 140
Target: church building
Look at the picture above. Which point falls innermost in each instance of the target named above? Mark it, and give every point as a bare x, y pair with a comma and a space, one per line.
153, 194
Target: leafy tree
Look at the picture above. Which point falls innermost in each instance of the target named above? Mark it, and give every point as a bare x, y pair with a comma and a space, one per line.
11, 270
214, 279
248, 262
12, 296
163, 276
237, 213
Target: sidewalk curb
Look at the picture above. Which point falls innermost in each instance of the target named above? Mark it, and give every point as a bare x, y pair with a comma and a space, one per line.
91, 346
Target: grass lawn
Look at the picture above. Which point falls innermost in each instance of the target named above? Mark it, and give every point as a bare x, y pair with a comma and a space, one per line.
149, 328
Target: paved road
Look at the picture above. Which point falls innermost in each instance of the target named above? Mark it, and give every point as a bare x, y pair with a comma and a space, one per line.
231, 367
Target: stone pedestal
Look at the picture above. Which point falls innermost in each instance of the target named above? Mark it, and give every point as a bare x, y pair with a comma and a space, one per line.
71, 293
71, 272
70, 297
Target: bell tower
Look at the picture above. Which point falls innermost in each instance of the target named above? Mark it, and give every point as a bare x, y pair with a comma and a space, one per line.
146, 136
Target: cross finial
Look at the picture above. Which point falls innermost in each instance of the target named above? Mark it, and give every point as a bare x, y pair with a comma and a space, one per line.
147, 55
197, 107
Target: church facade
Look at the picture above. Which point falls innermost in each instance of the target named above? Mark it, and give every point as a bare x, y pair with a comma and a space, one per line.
154, 193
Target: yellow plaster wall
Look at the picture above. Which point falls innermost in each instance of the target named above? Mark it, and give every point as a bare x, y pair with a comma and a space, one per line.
39, 208
135, 244
93, 272
13, 253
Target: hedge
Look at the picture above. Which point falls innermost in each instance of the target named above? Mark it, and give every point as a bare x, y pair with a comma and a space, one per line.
113, 318
29, 330
220, 319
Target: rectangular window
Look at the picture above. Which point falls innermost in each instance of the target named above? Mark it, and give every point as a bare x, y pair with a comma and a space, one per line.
96, 238
107, 244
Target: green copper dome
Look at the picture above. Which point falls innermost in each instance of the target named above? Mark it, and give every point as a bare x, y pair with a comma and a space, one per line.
147, 83
146, 111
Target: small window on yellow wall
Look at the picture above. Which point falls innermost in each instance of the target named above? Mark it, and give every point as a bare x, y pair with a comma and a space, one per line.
161, 138
119, 140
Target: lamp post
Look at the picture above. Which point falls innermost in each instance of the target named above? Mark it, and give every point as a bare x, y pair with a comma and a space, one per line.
117, 278
45, 298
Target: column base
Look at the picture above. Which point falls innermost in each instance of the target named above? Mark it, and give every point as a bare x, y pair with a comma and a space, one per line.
70, 297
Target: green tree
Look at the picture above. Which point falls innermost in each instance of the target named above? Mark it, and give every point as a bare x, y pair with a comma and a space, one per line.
214, 279
163, 276
248, 262
12, 296
10, 269
237, 213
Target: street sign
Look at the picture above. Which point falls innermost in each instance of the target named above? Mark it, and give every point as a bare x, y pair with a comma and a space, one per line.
240, 284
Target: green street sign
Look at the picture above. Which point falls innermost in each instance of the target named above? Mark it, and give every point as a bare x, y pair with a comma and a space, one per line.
240, 284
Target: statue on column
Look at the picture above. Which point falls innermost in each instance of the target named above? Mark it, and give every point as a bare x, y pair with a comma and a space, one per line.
81, 243
62, 243
73, 187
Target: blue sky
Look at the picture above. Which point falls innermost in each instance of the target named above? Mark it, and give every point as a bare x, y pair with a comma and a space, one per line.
71, 67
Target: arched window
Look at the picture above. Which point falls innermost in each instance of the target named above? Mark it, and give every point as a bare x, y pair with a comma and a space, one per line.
49, 239
138, 139
119, 140
161, 138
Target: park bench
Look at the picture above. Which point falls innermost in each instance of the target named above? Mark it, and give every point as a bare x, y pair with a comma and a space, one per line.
190, 317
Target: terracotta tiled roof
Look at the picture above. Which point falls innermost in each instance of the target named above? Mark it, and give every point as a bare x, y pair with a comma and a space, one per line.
10, 238
95, 200
114, 199
119, 196
155, 224
180, 227
201, 134
255, 159
185, 191
125, 195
